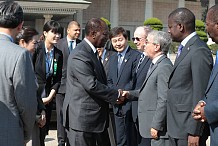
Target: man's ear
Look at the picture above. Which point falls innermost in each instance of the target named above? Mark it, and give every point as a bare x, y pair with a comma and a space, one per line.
181, 27
157, 48
93, 34
20, 26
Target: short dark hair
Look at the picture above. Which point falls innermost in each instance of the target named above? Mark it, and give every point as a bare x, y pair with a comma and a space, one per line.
214, 13
116, 31
73, 23
184, 16
94, 24
11, 14
26, 34
52, 25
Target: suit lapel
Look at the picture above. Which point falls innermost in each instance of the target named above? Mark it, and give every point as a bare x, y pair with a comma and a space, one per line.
184, 52
106, 59
142, 66
214, 73
152, 70
125, 60
98, 66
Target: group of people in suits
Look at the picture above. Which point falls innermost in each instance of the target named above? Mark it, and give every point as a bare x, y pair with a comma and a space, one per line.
176, 103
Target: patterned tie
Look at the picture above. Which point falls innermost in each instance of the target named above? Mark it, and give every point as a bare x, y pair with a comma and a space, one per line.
179, 50
140, 62
119, 62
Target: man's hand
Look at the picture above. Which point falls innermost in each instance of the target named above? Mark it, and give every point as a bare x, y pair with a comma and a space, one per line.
154, 133
125, 94
120, 99
42, 120
198, 112
193, 140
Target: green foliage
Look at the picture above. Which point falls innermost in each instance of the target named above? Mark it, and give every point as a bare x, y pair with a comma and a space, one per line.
214, 48
199, 25
155, 23
200, 29
132, 45
107, 22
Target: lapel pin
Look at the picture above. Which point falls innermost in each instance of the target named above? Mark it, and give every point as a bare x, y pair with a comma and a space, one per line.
125, 60
106, 59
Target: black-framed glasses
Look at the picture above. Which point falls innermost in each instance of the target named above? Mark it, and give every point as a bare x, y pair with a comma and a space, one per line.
136, 38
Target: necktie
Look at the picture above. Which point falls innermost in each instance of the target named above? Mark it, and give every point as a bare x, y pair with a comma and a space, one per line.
179, 50
140, 62
119, 62
216, 60
48, 63
151, 65
71, 46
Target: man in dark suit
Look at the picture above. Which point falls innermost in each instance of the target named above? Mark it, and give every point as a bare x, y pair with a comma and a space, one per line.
85, 107
144, 62
188, 80
18, 100
207, 109
122, 66
66, 45
152, 96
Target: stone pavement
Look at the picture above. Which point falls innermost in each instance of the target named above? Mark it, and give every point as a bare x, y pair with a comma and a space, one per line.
51, 139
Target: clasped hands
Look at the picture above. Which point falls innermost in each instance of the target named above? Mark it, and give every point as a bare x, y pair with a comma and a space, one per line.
123, 96
198, 112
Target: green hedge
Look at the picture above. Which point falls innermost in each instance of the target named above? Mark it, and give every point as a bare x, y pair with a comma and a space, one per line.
155, 23
107, 22
200, 29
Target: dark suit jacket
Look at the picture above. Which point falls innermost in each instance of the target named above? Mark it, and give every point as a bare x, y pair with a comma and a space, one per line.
123, 80
86, 105
187, 84
52, 82
211, 107
105, 63
139, 79
152, 99
63, 46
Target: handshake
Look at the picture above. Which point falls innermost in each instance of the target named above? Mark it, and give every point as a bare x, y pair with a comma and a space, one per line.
123, 96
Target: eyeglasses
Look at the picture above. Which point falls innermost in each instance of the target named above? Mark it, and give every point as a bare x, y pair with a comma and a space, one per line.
137, 39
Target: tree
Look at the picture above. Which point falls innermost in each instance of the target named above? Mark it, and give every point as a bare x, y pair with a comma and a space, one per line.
155, 23
200, 29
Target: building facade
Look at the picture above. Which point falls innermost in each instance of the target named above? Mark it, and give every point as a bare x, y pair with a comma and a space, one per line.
126, 13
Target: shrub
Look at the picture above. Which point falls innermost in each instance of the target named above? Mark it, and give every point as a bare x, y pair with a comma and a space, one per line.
155, 23
107, 22
132, 44
200, 30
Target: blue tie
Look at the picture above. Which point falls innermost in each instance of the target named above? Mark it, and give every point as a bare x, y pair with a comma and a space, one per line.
179, 50
216, 61
71, 46
48, 63
119, 62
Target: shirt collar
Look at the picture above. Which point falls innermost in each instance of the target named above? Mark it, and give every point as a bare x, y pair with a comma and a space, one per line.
90, 44
11, 39
124, 51
46, 50
156, 58
184, 42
